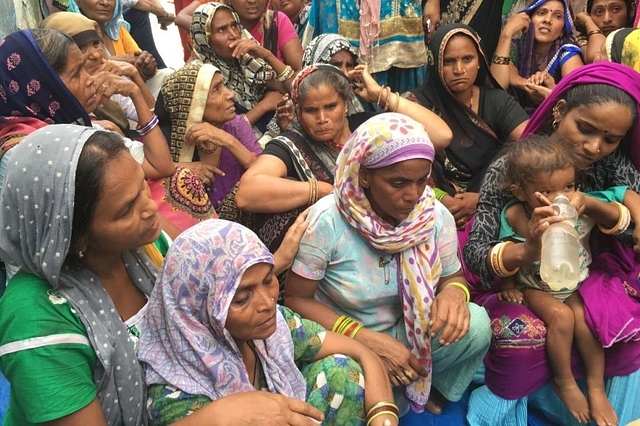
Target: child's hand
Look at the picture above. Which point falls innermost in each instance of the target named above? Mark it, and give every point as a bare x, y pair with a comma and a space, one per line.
578, 201
511, 295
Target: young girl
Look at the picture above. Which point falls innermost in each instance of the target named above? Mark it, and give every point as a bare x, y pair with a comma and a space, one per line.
538, 170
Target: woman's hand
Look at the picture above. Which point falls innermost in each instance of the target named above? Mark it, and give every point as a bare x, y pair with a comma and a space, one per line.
581, 21
430, 17
271, 100
146, 64
324, 189
283, 257
284, 113
462, 206
206, 136
368, 89
403, 367
245, 46
205, 172
539, 85
449, 314
518, 22
120, 68
107, 84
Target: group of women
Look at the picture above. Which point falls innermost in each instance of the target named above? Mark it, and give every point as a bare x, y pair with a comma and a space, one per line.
391, 299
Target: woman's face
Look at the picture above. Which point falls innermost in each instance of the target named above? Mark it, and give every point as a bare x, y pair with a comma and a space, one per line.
548, 21
93, 56
249, 11
224, 30
609, 15
594, 130
219, 108
344, 60
460, 63
78, 80
291, 8
126, 216
252, 313
100, 11
324, 113
393, 191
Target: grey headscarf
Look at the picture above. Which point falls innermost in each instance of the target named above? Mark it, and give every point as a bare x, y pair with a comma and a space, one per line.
321, 50
37, 216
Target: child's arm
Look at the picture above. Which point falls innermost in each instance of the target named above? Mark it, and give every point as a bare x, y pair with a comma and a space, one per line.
378, 386
632, 202
508, 290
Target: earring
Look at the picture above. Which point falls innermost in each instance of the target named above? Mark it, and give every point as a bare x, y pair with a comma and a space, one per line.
80, 254
556, 114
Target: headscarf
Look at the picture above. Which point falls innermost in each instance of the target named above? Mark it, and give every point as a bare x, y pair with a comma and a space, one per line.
80, 28
474, 143
623, 47
111, 27
321, 50
37, 206
185, 343
381, 141
29, 87
245, 77
562, 49
611, 73
185, 94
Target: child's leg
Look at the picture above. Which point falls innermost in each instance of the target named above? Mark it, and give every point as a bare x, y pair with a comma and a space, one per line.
559, 320
592, 354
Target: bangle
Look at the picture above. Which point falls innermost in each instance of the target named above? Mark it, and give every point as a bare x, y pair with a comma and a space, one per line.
395, 107
254, 157
380, 409
346, 326
461, 286
501, 60
624, 220
439, 193
387, 99
496, 260
285, 75
380, 94
143, 130
313, 192
207, 150
592, 32
383, 404
382, 413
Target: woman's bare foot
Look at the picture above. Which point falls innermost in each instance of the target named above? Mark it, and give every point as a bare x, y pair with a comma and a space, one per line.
601, 410
436, 402
573, 398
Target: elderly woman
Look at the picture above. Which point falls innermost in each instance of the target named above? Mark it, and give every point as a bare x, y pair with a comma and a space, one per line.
296, 168
381, 252
594, 109
252, 72
229, 335
542, 56
482, 116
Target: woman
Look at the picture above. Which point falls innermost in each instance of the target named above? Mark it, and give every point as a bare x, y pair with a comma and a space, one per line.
482, 116
594, 109
383, 252
297, 11
601, 18
623, 46
253, 73
296, 168
208, 138
242, 341
542, 56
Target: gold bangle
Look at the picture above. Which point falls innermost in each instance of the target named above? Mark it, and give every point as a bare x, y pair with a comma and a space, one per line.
380, 95
501, 60
592, 32
496, 260
624, 220
387, 99
463, 287
286, 74
395, 107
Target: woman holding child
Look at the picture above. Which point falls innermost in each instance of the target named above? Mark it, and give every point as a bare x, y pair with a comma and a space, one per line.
595, 109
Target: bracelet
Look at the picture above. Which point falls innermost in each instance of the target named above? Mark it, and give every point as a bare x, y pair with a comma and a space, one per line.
207, 150
624, 220
313, 191
380, 94
592, 32
346, 326
285, 75
496, 260
143, 130
395, 107
501, 60
385, 405
380, 409
254, 157
461, 286
439, 193
382, 413
387, 99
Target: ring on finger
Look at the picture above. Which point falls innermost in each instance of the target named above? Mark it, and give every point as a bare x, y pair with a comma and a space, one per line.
104, 86
408, 374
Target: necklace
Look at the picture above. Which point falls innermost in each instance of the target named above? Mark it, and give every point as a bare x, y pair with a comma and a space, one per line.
383, 263
471, 101
255, 381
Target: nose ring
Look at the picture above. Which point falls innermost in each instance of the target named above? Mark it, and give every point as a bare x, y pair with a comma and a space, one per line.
464, 71
598, 150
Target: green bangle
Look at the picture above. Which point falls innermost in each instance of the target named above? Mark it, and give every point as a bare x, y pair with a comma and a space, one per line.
462, 287
440, 194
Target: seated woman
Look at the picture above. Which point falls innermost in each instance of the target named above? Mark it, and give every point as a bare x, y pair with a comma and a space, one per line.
594, 109
296, 168
601, 18
214, 329
623, 46
208, 138
482, 116
253, 73
542, 56
85, 32
382, 251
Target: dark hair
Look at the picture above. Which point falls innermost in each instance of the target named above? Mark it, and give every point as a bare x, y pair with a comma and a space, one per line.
54, 45
337, 80
98, 151
527, 158
599, 94
630, 11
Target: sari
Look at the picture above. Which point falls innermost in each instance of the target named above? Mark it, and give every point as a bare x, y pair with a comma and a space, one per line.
623, 47
517, 368
474, 144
